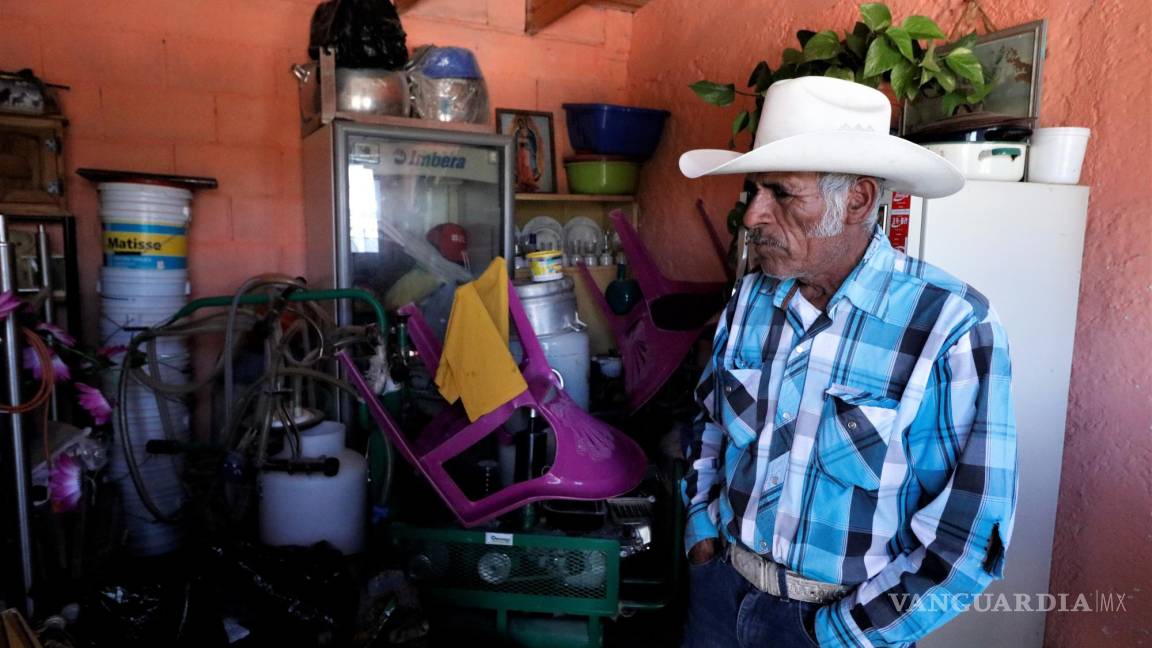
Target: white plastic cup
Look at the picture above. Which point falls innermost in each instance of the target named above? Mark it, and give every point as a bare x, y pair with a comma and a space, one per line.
1055, 155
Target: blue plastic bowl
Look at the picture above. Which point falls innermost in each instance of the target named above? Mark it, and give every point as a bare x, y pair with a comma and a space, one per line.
606, 129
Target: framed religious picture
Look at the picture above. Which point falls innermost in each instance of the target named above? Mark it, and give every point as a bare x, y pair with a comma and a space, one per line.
1013, 61
534, 147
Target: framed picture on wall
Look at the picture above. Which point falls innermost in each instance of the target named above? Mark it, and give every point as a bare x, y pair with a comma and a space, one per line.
534, 145
1013, 61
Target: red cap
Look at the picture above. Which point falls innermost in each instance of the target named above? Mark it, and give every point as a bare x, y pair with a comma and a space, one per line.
451, 240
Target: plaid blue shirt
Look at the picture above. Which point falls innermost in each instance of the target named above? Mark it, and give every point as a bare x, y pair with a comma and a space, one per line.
872, 444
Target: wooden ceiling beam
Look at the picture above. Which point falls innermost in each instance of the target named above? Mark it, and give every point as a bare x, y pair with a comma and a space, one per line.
541, 13
623, 5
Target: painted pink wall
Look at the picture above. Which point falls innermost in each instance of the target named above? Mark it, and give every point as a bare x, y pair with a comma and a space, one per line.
203, 87
1095, 75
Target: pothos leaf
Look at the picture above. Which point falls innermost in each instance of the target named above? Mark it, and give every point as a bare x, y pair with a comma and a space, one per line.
901, 40
947, 79
965, 64
740, 123
720, 94
793, 56
856, 44
876, 15
838, 72
922, 27
881, 57
929, 61
804, 35
762, 70
903, 83
951, 101
822, 46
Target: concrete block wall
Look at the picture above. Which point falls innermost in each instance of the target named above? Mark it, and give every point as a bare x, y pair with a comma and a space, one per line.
203, 87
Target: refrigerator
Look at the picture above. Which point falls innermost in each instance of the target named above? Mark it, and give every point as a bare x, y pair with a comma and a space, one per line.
405, 213
1020, 244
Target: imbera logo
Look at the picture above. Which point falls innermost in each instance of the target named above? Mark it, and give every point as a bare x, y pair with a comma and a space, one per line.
431, 160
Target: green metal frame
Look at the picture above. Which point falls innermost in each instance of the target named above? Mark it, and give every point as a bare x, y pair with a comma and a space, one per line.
303, 295
502, 603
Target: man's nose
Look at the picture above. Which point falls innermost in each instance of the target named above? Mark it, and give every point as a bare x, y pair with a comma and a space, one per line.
759, 211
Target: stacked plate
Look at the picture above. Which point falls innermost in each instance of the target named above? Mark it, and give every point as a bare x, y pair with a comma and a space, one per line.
580, 239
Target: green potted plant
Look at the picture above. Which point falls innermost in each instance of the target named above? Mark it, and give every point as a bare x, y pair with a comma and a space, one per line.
875, 52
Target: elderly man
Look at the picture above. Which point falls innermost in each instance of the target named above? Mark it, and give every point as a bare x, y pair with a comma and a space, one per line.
853, 478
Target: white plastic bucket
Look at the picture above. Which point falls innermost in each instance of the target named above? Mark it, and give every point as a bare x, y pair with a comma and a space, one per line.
145, 226
171, 351
142, 285
120, 315
1056, 155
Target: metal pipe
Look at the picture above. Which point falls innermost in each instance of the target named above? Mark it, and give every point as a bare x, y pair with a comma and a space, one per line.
19, 469
44, 258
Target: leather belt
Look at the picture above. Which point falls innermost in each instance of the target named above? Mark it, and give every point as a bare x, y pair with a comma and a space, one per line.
777, 580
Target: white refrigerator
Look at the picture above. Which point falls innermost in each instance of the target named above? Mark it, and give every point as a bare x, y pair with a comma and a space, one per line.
1020, 244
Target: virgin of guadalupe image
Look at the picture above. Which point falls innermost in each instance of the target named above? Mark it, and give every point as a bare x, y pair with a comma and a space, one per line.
528, 165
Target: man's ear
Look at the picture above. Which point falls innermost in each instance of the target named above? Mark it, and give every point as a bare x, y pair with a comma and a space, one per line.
861, 201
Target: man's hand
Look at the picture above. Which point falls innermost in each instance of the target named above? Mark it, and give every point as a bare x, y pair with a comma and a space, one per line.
702, 551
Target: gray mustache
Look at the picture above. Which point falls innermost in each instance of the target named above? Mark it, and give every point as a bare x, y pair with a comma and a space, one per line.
756, 237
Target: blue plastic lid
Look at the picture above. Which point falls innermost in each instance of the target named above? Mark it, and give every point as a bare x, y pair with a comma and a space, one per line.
450, 63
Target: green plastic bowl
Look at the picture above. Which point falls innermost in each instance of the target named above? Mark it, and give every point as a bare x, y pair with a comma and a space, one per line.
608, 177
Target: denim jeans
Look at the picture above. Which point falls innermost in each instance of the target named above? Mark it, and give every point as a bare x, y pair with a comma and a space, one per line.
726, 611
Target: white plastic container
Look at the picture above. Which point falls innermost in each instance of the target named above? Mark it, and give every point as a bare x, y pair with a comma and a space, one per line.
1057, 154
145, 226
300, 509
143, 285
1003, 161
120, 315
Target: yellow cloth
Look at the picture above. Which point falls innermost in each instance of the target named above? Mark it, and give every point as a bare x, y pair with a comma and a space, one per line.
476, 366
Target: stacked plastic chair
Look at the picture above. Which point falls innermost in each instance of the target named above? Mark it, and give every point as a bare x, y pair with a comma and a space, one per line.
654, 337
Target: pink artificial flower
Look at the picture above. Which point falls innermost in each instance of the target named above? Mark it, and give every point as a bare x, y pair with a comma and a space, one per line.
8, 303
58, 334
64, 483
93, 400
60, 370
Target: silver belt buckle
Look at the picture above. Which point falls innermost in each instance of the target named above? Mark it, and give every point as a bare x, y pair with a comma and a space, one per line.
765, 576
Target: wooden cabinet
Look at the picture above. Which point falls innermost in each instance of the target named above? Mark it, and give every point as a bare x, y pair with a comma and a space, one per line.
32, 165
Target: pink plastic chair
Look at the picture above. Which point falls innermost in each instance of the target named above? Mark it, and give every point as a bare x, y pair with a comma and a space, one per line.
655, 335
593, 460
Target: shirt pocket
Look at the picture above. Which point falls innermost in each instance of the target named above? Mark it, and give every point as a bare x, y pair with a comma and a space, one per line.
852, 440
737, 407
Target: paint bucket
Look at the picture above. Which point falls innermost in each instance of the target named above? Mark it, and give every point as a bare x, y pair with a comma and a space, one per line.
123, 315
145, 226
160, 474
546, 265
1056, 155
143, 285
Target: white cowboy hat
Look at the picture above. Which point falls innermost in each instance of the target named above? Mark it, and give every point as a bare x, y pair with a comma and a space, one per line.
833, 126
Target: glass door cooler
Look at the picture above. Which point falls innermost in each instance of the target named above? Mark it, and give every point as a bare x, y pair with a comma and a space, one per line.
405, 213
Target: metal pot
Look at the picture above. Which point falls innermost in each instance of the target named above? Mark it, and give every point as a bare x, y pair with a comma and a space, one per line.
376, 92
550, 306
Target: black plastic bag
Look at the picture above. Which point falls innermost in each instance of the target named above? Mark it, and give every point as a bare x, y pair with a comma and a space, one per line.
285, 594
365, 33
